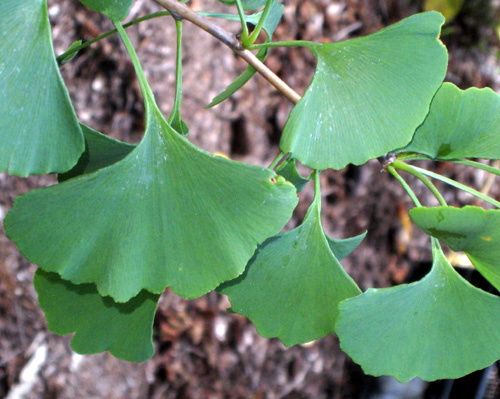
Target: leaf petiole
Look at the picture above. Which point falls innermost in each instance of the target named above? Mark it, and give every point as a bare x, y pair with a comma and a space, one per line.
405, 185
316, 204
419, 174
74, 50
276, 160
175, 117
244, 28
146, 90
478, 165
288, 43
256, 32
459, 185
413, 156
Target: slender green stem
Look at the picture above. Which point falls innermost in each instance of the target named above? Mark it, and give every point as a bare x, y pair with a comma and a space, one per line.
178, 73
420, 176
110, 33
289, 43
315, 206
317, 193
146, 90
181, 11
413, 156
405, 185
277, 160
478, 165
459, 185
436, 246
256, 32
241, 13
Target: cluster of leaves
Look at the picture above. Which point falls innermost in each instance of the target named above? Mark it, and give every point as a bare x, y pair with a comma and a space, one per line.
126, 221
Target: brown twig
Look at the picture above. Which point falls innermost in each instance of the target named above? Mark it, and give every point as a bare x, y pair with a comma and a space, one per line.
180, 11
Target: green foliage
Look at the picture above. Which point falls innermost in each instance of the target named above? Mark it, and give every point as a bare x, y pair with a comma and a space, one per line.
126, 221
288, 170
68, 55
368, 95
470, 229
439, 327
342, 248
452, 129
147, 223
116, 10
39, 131
99, 324
100, 151
293, 284
247, 4
269, 27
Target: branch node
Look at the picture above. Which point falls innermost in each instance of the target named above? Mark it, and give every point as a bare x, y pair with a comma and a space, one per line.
386, 160
181, 11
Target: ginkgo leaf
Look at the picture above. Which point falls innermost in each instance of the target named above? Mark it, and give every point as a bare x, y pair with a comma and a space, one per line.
470, 229
440, 327
100, 151
453, 129
368, 95
38, 126
168, 214
288, 170
116, 10
99, 324
269, 27
342, 248
293, 284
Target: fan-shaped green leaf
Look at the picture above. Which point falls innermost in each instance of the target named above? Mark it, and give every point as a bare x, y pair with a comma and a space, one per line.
116, 10
292, 286
269, 27
439, 327
460, 124
168, 214
100, 151
38, 127
368, 95
470, 229
99, 324
288, 170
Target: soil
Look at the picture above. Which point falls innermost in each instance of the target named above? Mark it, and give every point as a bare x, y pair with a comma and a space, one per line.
201, 350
